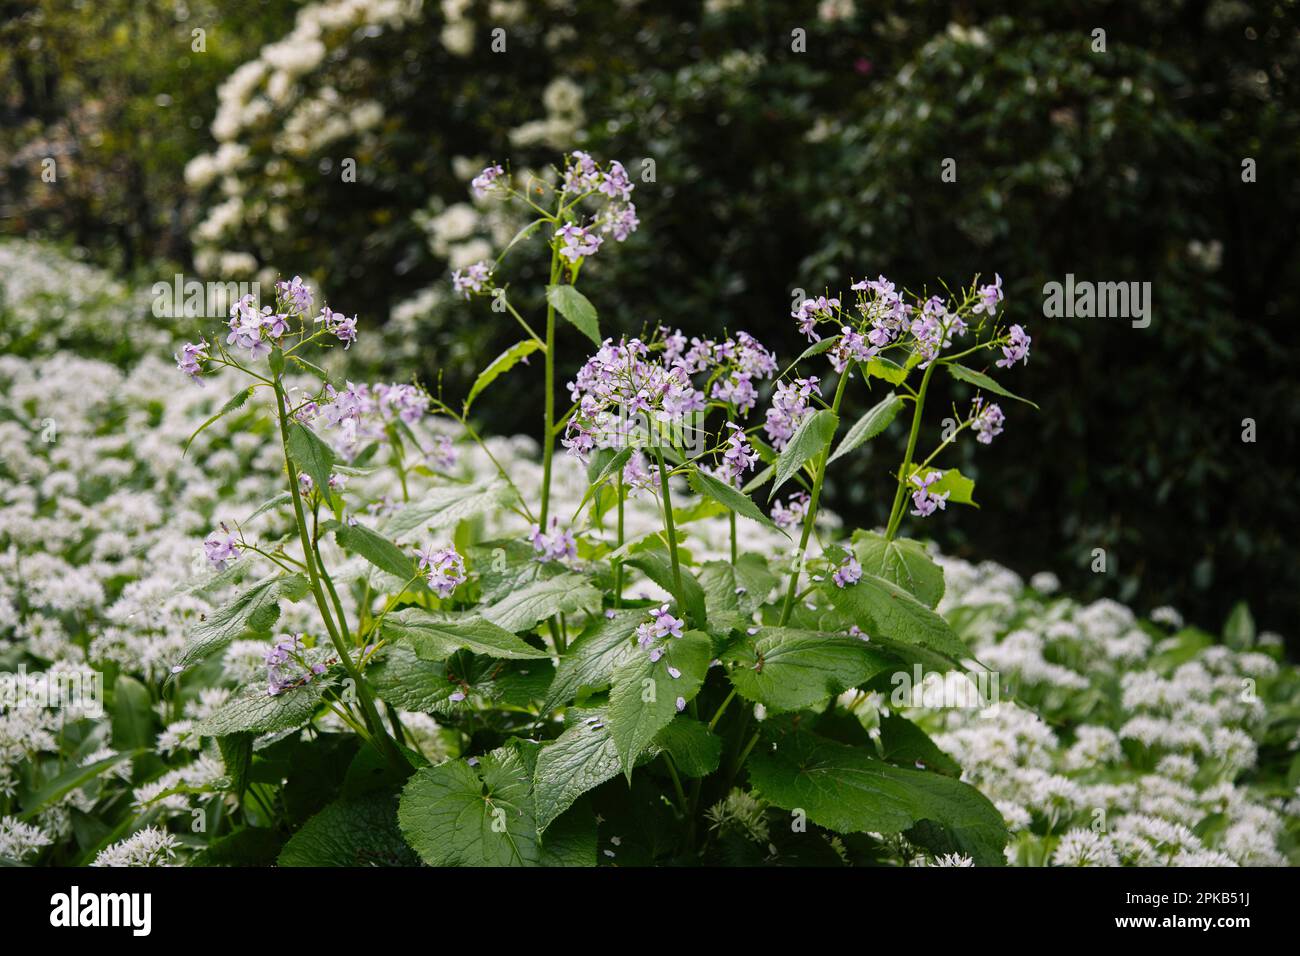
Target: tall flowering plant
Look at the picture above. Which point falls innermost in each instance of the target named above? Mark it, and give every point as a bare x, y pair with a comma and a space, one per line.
562, 653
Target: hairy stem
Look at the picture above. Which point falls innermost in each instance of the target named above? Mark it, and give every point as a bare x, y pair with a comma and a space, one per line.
896, 512
670, 529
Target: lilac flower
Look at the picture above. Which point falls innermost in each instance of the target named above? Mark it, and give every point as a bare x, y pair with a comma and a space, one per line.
403, 401
851, 347
338, 482
339, 324
811, 311
849, 572
988, 421
664, 623
190, 361
305, 482
581, 174
457, 697
221, 548
681, 704
925, 500
738, 458
295, 294
616, 184
1016, 349
619, 221
473, 280
487, 181
280, 660
556, 545
790, 406
792, 513
577, 241
445, 567
444, 455
989, 297
246, 324
638, 474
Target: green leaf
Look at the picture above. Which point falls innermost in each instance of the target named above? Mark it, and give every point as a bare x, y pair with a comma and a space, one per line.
402, 679
237, 756
845, 789
889, 614
564, 594
789, 669
590, 661
577, 308
134, 720
580, 759
71, 779
887, 369
235, 402
446, 506
436, 637
645, 694
725, 494
807, 442
732, 593
1239, 629
695, 750
457, 815
902, 742
963, 374
499, 366
902, 561
255, 610
283, 498
253, 710
361, 831
311, 454
379, 551
658, 567
875, 421
571, 840
958, 486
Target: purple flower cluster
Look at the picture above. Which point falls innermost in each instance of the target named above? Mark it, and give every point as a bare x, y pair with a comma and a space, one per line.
790, 406
253, 329
190, 361
221, 548
584, 177
989, 297
358, 413
883, 306
738, 458
986, 421
618, 385
487, 181
849, 572
661, 625
741, 361
473, 280
445, 568
284, 665
1016, 349
577, 242
443, 456
792, 513
295, 295
850, 347
926, 501
934, 328
555, 544
811, 311
339, 324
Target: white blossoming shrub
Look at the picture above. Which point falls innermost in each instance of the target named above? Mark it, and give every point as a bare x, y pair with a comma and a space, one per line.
283, 615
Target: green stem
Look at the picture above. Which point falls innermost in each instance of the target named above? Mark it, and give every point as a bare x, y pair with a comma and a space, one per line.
670, 529
369, 714
896, 512
810, 518
721, 707
548, 435
618, 565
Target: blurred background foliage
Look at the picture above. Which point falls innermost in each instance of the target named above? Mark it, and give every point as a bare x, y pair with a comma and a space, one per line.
773, 170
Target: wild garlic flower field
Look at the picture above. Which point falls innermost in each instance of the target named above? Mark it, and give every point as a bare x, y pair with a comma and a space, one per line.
1086, 736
